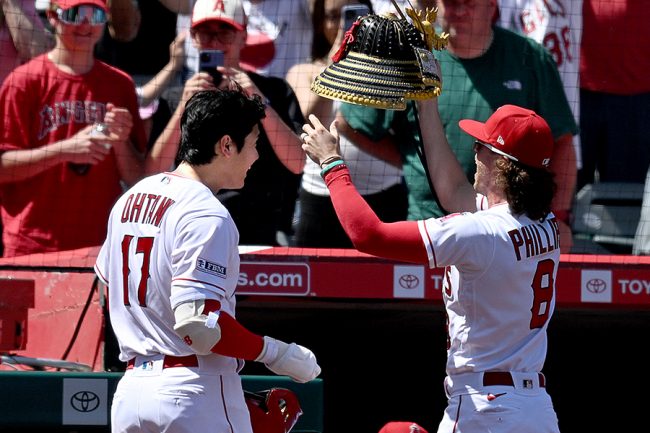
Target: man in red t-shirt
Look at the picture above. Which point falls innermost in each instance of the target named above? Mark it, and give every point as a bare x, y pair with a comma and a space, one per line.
614, 91
72, 138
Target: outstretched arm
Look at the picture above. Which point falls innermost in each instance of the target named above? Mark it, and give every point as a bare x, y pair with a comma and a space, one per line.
398, 241
453, 189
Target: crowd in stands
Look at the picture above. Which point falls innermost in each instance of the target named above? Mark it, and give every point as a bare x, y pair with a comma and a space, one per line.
129, 66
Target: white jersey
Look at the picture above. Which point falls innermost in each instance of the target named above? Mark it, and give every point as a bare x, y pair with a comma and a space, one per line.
556, 24
169, 241
498, 288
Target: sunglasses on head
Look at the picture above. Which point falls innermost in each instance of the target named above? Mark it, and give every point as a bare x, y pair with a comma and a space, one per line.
77, 14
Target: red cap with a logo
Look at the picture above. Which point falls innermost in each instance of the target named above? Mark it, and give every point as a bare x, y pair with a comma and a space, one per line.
230, 12
402, 427
516, 133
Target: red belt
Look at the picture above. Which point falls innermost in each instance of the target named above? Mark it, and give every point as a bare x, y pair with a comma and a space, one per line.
504, 378
171, 361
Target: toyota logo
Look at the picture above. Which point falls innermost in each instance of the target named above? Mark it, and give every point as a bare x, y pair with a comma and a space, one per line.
408, 281
84, 401
596, 285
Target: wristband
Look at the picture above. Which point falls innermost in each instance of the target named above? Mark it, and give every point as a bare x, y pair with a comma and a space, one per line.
330, 159
330, 166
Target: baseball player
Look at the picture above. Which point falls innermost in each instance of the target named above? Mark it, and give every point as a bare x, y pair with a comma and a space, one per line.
171, 265
500, 263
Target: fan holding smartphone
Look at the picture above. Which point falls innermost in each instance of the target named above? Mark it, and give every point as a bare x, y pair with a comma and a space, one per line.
208, 62
218, 32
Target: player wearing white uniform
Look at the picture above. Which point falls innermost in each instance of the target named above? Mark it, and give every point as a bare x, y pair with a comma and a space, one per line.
500, 263
556, 24
171, 265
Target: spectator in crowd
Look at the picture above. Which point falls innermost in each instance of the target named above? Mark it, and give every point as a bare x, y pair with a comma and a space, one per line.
558, 26
22, 34
483, 68
138, 36
272, 184
60, 173
615, 91
379, 182
279, 35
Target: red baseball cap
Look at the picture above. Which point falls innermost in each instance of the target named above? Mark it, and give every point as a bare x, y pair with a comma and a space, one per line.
402, 427
516, 133
226, 11
67, 4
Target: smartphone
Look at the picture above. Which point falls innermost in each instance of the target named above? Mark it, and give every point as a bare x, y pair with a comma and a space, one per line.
350, 13
208, 62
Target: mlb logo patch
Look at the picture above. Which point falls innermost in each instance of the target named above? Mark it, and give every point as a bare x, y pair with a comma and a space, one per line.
210, 268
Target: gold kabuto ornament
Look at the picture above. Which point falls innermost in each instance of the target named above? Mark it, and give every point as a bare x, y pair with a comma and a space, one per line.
385, 60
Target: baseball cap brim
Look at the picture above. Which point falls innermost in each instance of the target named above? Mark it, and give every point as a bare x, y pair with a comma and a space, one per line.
67, 4
474, 128
228, 21
477, 130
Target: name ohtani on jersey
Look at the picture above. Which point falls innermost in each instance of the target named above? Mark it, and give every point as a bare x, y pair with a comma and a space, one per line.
145, 208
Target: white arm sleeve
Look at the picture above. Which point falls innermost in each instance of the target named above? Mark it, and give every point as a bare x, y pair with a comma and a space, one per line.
200, 331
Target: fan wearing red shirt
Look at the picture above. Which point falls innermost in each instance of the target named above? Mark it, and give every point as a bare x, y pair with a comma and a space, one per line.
72, 138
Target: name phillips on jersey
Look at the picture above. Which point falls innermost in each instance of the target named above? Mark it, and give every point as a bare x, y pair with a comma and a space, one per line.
535, 239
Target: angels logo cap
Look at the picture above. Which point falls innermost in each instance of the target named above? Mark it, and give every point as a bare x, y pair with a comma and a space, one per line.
402, 427
226, 11
516, 133
67, 4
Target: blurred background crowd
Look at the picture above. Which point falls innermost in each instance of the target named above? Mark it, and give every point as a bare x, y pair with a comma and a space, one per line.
67, 65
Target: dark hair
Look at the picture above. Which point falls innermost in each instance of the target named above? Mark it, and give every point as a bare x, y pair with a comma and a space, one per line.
211, 114
528, 190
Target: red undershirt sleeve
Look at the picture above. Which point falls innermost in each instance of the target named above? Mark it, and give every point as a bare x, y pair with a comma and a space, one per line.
236, 341
398, 241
